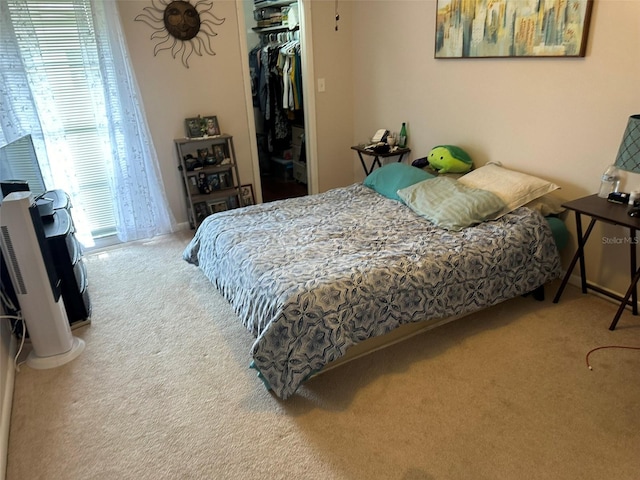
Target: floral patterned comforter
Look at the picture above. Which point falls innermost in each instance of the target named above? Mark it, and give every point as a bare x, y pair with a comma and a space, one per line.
312, 276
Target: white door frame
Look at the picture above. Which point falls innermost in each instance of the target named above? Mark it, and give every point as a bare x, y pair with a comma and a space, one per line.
308, 93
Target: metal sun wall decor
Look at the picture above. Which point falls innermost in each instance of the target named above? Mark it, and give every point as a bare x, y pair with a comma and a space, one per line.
512, 28
181, 27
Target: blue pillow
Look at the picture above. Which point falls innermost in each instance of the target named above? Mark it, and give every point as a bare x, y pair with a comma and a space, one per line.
390, 178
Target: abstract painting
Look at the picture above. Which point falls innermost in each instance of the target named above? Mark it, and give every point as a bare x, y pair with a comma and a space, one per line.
512, 28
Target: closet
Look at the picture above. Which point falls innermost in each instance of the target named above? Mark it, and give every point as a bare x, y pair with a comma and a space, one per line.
275, 68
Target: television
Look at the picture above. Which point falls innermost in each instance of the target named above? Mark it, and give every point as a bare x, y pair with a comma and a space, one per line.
19, 168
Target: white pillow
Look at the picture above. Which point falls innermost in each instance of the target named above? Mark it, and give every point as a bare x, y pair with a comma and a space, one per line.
515, 189
546, 205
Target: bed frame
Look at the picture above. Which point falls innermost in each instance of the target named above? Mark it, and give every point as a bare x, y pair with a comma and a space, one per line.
403, 333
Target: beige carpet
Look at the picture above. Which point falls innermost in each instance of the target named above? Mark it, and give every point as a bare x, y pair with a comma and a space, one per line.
163, 391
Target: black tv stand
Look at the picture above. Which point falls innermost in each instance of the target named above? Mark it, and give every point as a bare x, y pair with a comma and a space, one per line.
66, 252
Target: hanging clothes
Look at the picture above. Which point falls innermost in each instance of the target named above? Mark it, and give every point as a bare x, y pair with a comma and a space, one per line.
276, 85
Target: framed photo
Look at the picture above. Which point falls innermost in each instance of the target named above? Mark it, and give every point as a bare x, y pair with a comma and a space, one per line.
225, 179
193, 127
246, 194
193, 184
233, 202
213, 179
218, 206
210, 126
219, 153
203, 155
201, 211
512, 28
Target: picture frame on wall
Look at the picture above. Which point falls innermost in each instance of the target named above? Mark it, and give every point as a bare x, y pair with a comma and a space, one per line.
512, 28
246, 194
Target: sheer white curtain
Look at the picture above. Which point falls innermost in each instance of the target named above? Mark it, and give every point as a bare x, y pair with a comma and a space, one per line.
142, 209
26, 107
114, 105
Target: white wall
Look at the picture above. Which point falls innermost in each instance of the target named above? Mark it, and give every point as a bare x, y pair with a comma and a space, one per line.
333, 62
559, 118
212, 85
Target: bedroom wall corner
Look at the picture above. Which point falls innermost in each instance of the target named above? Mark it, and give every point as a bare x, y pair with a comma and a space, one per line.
171, 92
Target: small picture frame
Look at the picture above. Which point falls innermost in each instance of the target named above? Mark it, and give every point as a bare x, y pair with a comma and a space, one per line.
200, 211
219, 153
218, 206
213, 179
210, 126
193, 184
193, 127
225, 179
203, 155
233, 202
246, 194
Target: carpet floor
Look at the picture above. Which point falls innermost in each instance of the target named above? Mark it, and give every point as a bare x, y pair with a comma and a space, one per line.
163, 391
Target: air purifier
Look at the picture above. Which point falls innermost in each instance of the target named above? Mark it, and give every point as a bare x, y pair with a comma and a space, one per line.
36, 283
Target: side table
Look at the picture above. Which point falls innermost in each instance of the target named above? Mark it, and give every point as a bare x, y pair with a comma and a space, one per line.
600, 209
400, 152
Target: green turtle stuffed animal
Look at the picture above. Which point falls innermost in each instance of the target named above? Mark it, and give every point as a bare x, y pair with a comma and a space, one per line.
449, 159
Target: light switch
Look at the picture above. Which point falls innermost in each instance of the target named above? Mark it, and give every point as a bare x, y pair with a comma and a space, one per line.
321, 85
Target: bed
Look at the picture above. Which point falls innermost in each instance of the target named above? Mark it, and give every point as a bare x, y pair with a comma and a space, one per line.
314, 277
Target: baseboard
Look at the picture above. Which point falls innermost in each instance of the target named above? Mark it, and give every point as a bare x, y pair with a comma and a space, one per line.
8, 345
576, 281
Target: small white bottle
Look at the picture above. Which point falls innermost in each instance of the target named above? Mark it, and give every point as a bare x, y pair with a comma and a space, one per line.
634, 196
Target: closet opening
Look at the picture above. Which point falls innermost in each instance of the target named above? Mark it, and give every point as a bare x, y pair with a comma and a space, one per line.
275, 67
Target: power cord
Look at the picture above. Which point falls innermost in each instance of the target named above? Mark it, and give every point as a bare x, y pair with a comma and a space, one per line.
7, 302
9, 306
606, 346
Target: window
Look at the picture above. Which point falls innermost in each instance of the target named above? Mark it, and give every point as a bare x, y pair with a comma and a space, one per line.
68, 81
58, 47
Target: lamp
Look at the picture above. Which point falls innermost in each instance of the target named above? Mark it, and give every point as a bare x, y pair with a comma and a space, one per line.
629, 153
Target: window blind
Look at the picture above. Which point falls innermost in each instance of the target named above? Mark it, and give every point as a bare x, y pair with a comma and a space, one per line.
58, 46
